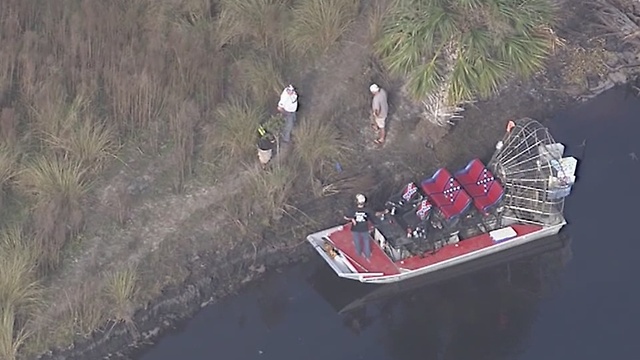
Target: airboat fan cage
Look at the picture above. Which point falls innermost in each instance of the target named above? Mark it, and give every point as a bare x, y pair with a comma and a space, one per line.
535, 175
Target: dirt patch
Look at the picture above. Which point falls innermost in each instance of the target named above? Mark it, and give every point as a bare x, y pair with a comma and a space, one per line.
190, 254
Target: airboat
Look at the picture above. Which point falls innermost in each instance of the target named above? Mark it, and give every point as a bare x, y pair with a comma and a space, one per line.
450, 219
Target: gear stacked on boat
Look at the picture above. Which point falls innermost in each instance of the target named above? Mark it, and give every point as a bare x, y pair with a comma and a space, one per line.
452, 218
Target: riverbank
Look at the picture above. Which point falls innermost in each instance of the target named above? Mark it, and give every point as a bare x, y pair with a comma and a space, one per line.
195, 247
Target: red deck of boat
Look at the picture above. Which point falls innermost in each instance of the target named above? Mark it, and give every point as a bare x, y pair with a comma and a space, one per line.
381, 263
463, 247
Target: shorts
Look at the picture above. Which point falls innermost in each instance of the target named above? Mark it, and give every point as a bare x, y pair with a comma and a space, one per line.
264, 156
380, 122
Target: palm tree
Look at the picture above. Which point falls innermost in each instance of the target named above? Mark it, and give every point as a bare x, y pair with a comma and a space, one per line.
458, 50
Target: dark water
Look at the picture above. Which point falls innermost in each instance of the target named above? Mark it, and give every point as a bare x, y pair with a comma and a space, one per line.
579, 301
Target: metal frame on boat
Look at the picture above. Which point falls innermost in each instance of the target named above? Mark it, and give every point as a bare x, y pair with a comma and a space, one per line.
450, 219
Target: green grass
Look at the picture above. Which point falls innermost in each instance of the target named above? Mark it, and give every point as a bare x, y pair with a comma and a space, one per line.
475, 46
318, 24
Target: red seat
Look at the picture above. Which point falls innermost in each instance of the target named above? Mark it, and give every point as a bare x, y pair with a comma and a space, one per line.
446, 193
480, 183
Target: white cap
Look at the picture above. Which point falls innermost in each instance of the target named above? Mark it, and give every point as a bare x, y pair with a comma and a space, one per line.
374, 88
360, 199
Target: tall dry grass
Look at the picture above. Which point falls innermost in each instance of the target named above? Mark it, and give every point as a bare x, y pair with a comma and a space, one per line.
234, 134
57, 187
75, 134
81, 78
318, 146
269, 190
8, 169
20, 290
259, 78
120, 290
12, 336
260, 23
183, 126
317, 25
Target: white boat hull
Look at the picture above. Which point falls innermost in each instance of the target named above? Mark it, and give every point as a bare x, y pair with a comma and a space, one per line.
344, 269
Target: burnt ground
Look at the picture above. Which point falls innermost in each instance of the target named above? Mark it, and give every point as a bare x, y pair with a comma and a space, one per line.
185, 246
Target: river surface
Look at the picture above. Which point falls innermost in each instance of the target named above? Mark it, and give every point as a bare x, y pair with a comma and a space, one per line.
577, 301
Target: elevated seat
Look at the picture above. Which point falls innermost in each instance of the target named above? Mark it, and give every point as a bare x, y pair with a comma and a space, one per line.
480, 183
406, 199
421, 213
445, 192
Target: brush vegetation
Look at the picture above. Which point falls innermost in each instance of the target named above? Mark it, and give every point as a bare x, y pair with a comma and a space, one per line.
319, 146
318, 24
187, 81
20, 290
474, 45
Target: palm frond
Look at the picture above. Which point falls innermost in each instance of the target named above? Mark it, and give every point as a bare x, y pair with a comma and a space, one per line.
401, 53
494, 39
425, 78
490, 74
470, 4
463, 80
442, 21
525, 53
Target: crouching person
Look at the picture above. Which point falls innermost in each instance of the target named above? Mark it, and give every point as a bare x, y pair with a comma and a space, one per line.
266, 143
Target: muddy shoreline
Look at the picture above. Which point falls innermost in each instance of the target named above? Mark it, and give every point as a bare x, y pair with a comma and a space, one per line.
180, 303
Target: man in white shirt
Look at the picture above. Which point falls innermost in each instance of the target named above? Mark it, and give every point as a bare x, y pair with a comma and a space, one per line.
380, 108
287, 106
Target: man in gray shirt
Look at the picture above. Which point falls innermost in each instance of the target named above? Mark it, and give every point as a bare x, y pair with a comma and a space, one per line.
380, 108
